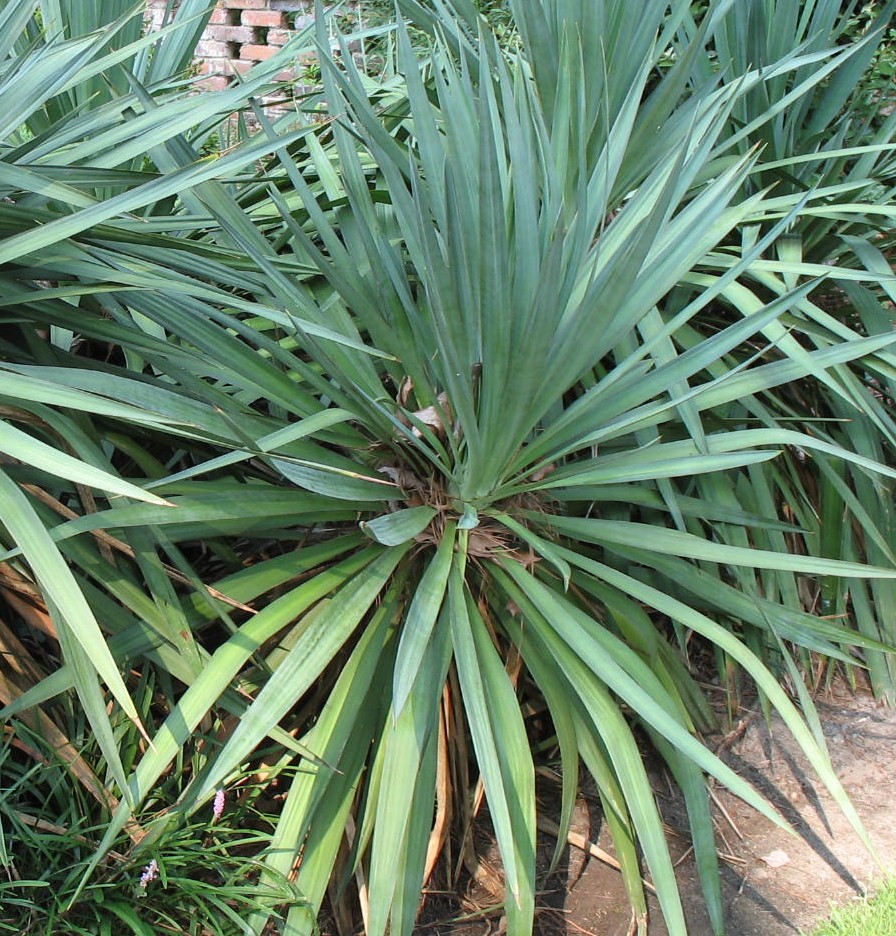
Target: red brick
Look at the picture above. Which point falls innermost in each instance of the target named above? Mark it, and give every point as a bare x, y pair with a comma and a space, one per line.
235, 65
209, 48
246, 4
213, 83
288, 74
218, 17
231, 33
257, 53
279, 37
262, 18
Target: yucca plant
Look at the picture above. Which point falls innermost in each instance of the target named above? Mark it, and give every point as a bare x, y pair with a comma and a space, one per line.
819, 131
91, 106
460, 401
832, 139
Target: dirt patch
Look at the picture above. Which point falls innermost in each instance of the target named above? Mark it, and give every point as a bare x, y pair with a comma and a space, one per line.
775, 884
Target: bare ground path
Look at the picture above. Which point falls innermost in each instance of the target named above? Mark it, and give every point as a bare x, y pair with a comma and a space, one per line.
776, 884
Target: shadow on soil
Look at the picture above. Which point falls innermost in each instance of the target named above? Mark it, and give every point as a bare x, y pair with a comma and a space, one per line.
774, 883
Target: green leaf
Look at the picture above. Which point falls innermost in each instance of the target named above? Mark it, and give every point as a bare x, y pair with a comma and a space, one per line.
540, 545
404, 810
61, 589
674, 542
502, 752
26, 448
417, 630
588, 676
322, 792
324, 631
469, 519
728, 643
400, 526
334, 482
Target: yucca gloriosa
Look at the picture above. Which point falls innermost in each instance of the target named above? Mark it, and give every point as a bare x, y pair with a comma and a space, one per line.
492, 381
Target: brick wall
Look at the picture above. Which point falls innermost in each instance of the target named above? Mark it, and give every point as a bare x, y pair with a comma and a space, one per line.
242, 32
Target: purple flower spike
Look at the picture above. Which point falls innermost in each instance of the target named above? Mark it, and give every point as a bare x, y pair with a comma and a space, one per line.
150, 873
218, 806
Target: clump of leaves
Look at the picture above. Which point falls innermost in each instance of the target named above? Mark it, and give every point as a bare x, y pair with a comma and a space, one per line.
202, 877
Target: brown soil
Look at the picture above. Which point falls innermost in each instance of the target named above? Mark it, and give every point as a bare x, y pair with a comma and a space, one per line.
775, 884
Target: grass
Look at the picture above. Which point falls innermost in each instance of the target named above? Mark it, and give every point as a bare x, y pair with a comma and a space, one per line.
866, 916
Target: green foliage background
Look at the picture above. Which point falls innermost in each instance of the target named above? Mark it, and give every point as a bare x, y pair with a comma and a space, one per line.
549, 372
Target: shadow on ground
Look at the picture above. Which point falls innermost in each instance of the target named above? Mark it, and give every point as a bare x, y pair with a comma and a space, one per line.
775, 884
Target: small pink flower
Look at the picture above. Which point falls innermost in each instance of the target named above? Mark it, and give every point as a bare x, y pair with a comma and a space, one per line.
150, 873
218, 806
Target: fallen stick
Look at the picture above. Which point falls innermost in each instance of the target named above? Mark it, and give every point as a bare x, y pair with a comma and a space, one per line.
580, 842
